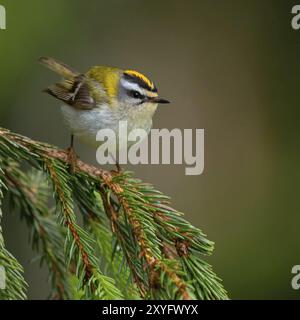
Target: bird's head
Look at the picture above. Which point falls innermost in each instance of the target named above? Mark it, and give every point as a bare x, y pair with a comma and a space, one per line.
136, 89
127, 89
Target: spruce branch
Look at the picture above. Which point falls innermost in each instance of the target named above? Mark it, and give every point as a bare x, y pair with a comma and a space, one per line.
29, 195
132, 244
79, 245
14, 283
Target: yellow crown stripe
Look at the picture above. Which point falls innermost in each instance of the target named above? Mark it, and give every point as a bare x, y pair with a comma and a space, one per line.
140, 76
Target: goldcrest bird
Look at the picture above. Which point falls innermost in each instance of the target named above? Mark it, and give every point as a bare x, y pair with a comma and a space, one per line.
101, 98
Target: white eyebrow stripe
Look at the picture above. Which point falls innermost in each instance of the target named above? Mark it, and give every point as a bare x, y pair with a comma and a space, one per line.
131, 86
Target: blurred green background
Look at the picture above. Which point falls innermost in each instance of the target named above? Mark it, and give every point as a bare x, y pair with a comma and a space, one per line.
230, 67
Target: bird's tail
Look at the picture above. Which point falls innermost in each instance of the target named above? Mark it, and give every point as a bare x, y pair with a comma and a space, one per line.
58, 67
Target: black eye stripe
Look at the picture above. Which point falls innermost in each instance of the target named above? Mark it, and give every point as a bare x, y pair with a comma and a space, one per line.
135, 94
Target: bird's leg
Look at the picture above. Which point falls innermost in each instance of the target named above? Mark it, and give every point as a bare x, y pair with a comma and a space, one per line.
119, 169
72, 157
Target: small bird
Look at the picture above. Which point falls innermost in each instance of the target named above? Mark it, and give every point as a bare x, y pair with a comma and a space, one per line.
100, 99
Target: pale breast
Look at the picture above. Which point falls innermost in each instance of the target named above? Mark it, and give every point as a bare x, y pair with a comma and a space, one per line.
85, 124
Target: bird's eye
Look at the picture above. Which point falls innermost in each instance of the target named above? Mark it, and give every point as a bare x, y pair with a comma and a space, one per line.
136, 94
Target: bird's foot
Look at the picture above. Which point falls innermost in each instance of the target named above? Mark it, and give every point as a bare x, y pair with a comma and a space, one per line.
72, 159
118, 167
118, 170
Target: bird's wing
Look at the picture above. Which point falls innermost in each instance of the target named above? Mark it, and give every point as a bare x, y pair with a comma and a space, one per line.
76, 92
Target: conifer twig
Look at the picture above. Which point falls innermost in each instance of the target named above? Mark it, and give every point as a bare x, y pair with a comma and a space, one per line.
157, 249
30, 193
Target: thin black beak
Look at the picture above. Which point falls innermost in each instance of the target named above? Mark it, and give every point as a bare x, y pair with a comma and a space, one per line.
158, 100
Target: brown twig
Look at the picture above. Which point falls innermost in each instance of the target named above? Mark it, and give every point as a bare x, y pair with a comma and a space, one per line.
113, 216
106, 178
68, 220
151, 260
30, 193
